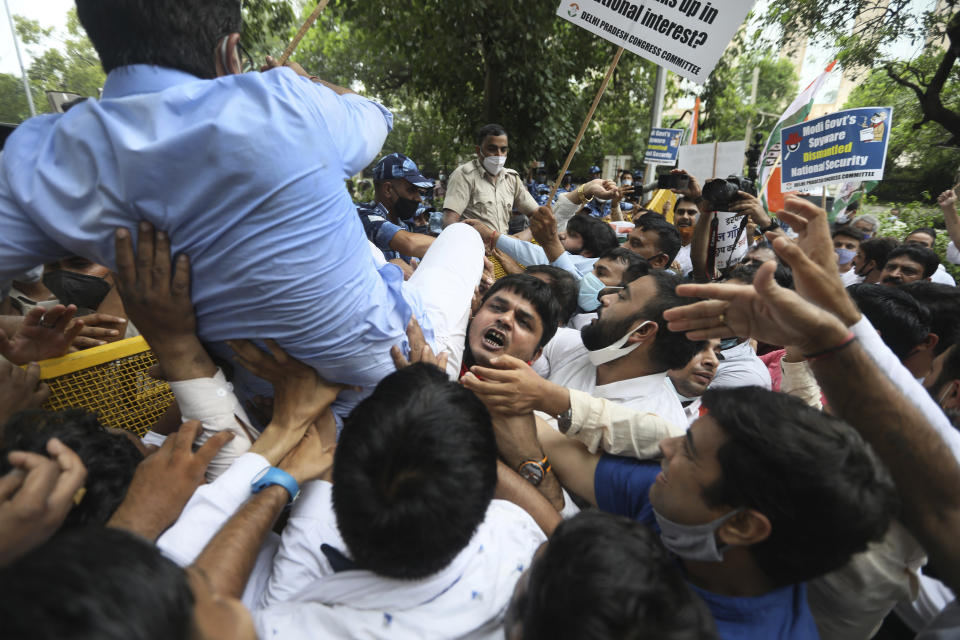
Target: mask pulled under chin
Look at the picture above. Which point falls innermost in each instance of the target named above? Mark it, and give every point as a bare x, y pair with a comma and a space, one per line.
494, 164
693, 542
616, 350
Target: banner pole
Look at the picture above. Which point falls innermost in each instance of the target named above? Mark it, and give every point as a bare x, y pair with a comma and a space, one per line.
586, 122
303, 31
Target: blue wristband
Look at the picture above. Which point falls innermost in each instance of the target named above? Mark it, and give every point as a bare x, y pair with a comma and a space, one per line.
271, 476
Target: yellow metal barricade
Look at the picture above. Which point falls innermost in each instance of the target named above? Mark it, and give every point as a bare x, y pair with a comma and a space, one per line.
111, 380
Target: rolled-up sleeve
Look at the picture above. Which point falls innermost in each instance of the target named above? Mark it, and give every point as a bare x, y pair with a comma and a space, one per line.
604, 425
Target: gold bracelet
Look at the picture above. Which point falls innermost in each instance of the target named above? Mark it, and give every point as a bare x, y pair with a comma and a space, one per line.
583, 196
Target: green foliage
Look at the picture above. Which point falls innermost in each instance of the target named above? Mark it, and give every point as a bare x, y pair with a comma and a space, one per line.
915, 162
727, 92
912, 215
448, 68
75, 68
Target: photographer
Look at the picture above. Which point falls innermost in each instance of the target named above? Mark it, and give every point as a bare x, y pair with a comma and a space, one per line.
732, 194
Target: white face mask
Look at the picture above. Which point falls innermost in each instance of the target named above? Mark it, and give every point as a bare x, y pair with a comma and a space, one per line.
616, 350
494, 164
693, 542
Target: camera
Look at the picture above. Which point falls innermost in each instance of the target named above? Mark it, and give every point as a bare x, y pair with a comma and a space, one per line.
672, 181
722, 192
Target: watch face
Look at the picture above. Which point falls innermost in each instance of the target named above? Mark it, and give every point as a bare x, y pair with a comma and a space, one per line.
532, 472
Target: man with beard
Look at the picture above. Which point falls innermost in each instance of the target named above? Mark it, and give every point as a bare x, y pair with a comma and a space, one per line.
684, 217
397, 183
909, 263
624, 355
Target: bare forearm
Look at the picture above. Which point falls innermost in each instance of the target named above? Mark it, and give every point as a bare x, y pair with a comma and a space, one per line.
513, 488
925, 472
517, 446
953, 223
411, 244
182, 358
700, 246
229, 557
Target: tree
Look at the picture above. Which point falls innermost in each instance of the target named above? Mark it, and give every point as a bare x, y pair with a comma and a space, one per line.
726, 94
917, 161
877, 23
471, 63
75, 68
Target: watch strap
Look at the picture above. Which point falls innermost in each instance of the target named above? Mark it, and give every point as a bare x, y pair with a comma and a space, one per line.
275, 476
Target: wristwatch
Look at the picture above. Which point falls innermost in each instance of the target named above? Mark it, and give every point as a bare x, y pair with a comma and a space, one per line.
533, 471
770, 227
271, 476
565, 420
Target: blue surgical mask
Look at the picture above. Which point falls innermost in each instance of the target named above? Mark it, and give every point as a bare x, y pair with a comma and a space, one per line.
845, 256
590, 288
693, 542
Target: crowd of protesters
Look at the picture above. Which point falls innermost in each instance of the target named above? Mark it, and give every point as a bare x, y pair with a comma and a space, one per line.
624, 435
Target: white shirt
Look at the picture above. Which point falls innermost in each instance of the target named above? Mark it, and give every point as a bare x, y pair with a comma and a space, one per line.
953, 254
850, 277
306, 598
683, 257
566, 362
741, 367
940, 276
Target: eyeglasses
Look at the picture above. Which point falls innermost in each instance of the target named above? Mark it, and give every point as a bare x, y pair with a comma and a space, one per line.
246, 60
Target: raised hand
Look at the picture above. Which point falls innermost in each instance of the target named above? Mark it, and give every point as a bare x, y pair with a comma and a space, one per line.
420, 351
165, 481
41, 335
36, 496
20, 389
764, 311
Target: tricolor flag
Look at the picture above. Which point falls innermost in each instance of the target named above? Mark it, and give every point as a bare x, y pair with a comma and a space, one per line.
769, 169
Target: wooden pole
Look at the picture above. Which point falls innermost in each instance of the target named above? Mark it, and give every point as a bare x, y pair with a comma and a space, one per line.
823, 198
586, 123
303, 31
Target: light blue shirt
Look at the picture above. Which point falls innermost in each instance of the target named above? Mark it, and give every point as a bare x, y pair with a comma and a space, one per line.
246, 175
527, 254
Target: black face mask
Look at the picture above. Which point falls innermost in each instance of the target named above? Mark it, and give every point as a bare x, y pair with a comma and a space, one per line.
87, 292
406, 209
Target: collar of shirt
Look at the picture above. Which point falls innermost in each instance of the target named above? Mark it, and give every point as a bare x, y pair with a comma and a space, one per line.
143, 78
739, 352
630, 390
377, 208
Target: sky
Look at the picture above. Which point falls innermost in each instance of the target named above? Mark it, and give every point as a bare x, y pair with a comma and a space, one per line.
49, 13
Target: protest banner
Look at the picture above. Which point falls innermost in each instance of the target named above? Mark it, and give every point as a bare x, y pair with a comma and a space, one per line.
663, 146
849, 193
728, 240
687, 37
717, 160
839, 147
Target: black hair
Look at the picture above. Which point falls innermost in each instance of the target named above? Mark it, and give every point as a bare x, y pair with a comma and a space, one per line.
536, 292
877, 250
565, 289
606, 577
943, 303
95, 583
668, 237
930, 231
169, 33
686, 199
902, 322
746, 272
110, 457
850, 232
598, 236
949, 372
919, 254
414, 473
671, 349
823, 490
488, 130
624, 256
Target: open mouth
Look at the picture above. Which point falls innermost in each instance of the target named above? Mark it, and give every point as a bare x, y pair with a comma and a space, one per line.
494, 339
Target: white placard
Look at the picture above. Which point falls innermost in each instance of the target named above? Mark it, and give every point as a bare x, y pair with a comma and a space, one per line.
731, 242
684, 36
713, 160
